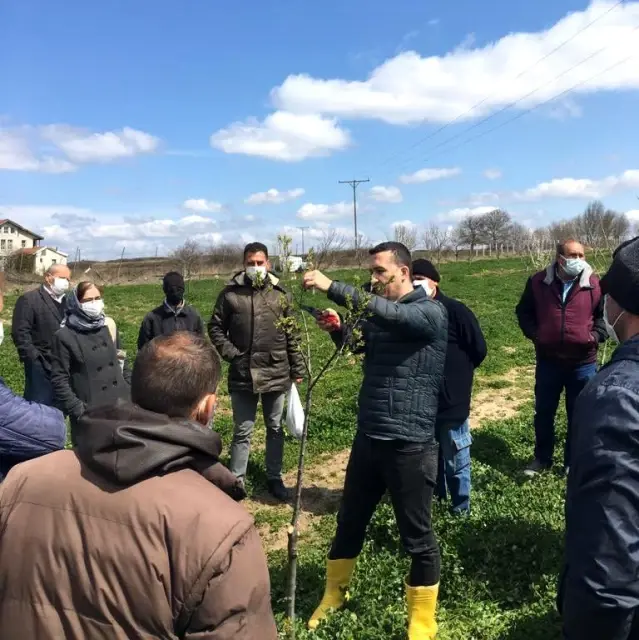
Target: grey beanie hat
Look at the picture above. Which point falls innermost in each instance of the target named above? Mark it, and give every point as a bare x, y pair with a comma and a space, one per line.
622, 280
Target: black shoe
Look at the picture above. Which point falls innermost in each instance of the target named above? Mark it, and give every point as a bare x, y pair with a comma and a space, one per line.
277, 489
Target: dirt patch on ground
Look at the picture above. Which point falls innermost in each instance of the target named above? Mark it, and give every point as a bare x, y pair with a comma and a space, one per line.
324, 481
503, 398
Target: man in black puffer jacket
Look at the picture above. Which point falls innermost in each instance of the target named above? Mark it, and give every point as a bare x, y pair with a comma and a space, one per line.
405, 339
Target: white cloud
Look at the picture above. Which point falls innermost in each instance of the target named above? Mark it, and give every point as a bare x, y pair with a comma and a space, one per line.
310, 211
581, 187
59, 148
273, 196
84, 147
16, 155
493, 174
284, 136
429, 175
409, 88
633, 215
403, 223
456, 215
201, 205
386, 194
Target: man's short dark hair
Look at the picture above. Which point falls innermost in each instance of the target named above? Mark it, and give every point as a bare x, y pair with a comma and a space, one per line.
173, 373
400, 253
255, 247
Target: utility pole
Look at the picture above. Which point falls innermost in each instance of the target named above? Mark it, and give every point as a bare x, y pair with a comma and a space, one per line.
354, 184
302, 229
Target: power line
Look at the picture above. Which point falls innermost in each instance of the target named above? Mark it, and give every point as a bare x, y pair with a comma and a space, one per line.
521, 114
354, 184
522, 73
528, 95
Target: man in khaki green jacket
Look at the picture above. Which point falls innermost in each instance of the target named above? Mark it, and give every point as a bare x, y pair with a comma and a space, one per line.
264, 360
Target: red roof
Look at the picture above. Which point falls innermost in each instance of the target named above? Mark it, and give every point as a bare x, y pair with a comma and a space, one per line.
30, 251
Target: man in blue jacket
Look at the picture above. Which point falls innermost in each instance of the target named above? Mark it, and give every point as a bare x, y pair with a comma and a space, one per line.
599, 589
404, 336
27, 429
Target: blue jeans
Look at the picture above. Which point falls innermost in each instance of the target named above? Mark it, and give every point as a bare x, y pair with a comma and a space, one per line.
37, 385
551, 378
453, 471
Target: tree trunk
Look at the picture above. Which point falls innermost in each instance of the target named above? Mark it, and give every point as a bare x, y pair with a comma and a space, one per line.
293, 527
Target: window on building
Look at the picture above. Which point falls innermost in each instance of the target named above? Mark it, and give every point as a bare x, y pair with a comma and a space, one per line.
13, 230
54, 261
3, 244
9, 245
24, 244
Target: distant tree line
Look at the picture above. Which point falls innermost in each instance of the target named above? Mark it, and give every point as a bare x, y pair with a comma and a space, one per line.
496, 233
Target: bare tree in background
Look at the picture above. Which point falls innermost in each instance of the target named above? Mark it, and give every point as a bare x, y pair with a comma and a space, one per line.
495, 227
406, 234
188, 257
469, 232
326, 250
520, 237
440, 238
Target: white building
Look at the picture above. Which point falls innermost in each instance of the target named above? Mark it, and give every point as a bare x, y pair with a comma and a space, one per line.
43, 258
14, 237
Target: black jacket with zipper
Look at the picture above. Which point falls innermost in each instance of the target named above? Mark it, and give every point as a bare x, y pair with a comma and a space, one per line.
163, 321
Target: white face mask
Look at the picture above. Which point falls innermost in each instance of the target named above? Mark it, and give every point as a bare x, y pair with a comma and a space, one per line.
93, 309
430, 291
60, 286
610, 328
573, 266
256, 273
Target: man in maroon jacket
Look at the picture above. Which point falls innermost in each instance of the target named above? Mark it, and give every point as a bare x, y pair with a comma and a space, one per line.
561, 311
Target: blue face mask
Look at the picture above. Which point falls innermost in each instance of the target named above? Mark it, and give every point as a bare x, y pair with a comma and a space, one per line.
573, 266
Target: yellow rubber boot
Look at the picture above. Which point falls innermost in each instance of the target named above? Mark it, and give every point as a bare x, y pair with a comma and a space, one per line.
422, 602
338, 577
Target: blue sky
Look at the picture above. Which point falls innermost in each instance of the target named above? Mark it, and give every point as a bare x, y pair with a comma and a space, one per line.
139, 124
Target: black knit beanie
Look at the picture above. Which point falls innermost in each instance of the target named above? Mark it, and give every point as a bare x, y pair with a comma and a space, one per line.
622, 280
426, 269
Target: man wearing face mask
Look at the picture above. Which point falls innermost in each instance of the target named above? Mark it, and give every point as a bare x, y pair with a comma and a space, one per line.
136, 533
465, 352
561, 312
264, 360
27, 429
36, 318
172, 315
395, 448
599, 589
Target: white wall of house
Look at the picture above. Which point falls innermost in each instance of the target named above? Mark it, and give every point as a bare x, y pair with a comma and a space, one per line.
12, 239
46, 258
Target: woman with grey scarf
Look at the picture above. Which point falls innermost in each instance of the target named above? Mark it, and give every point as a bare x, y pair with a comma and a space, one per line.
85, 370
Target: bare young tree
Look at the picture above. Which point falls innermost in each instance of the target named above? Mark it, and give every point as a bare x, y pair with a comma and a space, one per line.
188, 258
406, 234
331, 243
469, 232
495, 227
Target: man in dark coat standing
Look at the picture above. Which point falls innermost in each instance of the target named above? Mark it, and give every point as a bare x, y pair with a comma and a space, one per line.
599, 589
36, 318
466, 351
395, 449
561, 312
172, 315
264, 360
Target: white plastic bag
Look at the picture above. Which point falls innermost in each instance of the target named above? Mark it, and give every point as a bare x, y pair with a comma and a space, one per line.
294, 413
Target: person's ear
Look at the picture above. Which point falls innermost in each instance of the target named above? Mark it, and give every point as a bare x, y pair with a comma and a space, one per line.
206, 409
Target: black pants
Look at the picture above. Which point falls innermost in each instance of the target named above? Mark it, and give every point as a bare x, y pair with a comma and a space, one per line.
408, 470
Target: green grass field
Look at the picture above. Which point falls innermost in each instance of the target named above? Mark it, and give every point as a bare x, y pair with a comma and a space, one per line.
499, 566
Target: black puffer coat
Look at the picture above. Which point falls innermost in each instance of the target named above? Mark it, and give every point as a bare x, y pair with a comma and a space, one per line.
404, 354
244, 331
